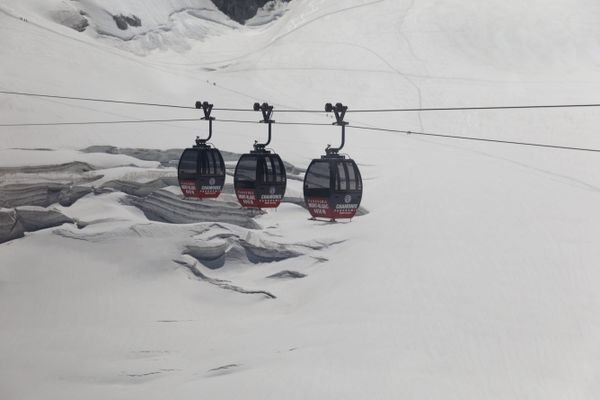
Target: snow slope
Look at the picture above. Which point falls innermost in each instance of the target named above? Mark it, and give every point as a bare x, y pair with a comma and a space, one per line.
474, 275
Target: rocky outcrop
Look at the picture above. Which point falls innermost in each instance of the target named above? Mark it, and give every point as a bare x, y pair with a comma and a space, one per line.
41, 194
164, 206
15, 222
139, 189
125, 21
241, 10
75, 167
287, 275
165, 157
10, 226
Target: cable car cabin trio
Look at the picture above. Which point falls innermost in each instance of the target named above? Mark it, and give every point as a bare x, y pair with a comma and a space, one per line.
332, 183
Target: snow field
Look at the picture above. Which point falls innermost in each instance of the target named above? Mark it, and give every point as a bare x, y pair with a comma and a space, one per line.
473, 276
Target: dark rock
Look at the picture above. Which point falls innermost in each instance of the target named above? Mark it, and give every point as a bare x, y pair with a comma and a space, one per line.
240, 10
15, 222
267, 253
69, 195
125, 21
139, 189
10, 226
75, 167
36, 218
41, 194
164, 206
81, 25
101, 149
287, 275
212, 256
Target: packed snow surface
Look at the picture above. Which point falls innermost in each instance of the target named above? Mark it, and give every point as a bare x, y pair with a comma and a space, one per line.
473, 275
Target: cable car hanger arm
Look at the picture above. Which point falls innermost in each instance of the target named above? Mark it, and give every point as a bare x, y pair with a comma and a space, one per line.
207, 108
267, 112
340, 112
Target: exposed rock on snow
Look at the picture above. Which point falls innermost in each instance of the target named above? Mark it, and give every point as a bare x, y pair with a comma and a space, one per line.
10, 226
125, 21
259, 250
75, 167
15, 222
228, 366
41, 194
269, 12
211, 255
164, 206
242, 10
140, 189
36, 218
224, 370
287, 275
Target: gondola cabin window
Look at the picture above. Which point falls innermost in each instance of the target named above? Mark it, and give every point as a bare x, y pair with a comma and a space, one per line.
247, 169
318, 176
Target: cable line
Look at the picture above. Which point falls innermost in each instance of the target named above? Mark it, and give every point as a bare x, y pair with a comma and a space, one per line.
550, 146
384, 110
146, 121
375, 129
358, 110
135, 103
141, 121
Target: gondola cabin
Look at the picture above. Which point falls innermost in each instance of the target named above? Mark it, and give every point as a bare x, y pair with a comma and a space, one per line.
201, 172
260, 180
332, 184
332, 187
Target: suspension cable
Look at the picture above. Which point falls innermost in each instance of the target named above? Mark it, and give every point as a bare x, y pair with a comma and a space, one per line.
146, 121
139, 121
135, 103
376, 129
366, 128
479, 139
373, 110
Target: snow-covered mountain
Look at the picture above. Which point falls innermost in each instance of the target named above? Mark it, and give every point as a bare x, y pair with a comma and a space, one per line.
472, 272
